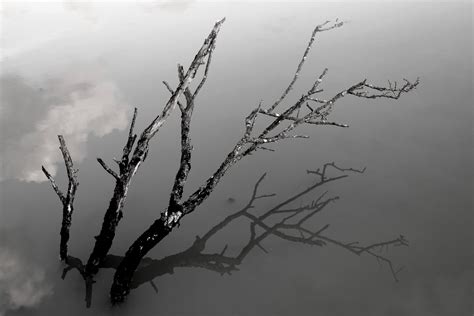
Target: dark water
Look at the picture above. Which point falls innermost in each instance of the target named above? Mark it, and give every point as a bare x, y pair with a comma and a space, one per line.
78, 68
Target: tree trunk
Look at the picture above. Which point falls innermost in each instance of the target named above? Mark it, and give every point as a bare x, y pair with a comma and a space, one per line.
106, 236
65, 225
125, 271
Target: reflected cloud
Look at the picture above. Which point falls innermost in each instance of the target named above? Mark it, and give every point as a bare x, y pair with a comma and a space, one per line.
76, 105
22, 284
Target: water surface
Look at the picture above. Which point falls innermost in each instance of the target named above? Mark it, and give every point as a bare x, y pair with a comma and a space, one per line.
79, 68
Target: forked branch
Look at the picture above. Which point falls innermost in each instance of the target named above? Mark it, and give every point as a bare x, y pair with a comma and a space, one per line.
294, 114
317, 29
67, 199
129, 165
186, 147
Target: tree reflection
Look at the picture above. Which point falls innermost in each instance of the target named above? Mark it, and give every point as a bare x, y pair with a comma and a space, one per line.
282, 221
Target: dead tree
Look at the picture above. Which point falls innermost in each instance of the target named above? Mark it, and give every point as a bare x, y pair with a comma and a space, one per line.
307, 109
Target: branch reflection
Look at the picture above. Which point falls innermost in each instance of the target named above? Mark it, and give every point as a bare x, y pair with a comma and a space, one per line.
282, 220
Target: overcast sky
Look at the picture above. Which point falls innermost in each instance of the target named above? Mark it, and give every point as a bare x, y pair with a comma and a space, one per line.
78, 68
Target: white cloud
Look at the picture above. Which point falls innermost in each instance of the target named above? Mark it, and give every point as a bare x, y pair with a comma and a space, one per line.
80, 104
22, 284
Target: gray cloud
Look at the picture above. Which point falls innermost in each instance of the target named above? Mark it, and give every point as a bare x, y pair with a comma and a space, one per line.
22, 284
78, 104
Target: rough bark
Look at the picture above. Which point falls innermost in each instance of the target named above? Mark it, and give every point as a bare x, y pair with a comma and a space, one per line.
64, 233
125, 271
109, 225
67, 200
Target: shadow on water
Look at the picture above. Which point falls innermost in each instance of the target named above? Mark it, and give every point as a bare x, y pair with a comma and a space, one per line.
282, 220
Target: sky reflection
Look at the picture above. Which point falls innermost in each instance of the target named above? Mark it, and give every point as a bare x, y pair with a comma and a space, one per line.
78, 68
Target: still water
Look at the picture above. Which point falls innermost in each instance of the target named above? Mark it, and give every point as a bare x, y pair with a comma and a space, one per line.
79, 68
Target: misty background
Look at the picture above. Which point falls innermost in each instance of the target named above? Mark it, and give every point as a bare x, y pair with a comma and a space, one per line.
78, 68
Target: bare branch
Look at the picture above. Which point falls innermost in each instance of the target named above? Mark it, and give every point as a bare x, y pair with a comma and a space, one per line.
66, 200
186, 147
131, 139
319, 115
153, 128
167, 85
295, 119
71, 172
317, 29
283, 220
390, 92
185, 161
187, 92
54, 185
322, 172
250, 121
247, 145
265, 148
204, 77
358, 250
153, 285
129, 167
107, 168
170, 218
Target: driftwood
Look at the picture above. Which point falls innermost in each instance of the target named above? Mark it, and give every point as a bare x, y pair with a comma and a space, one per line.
309, 109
